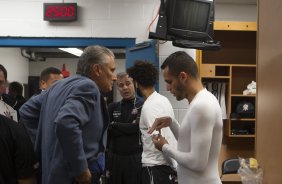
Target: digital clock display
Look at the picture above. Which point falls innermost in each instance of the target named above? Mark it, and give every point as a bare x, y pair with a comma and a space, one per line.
60, 11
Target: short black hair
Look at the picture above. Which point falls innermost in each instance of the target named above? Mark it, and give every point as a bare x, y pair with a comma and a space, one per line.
3, 69
144, 72
17, 87
45, 74
180, 61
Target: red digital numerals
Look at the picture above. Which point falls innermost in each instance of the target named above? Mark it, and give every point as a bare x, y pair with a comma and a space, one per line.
60, 12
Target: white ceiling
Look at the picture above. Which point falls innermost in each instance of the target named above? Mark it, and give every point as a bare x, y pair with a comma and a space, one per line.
236, 1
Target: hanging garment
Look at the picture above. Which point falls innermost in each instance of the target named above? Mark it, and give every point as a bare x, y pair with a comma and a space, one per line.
218, 90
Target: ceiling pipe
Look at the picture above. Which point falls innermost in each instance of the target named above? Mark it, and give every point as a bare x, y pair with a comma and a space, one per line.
25, 54
31, 56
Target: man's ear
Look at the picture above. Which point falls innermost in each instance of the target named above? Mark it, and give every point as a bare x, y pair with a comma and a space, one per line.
96, 69
183, 76
42, 84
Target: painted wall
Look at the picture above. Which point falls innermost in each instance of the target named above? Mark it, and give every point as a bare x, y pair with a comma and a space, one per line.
35, 68
15, 64
98, 18
101, 18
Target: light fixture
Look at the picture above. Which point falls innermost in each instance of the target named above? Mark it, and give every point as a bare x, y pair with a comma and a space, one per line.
74, 51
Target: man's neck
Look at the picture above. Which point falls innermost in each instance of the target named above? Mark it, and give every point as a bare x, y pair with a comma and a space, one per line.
196, 88
146, 92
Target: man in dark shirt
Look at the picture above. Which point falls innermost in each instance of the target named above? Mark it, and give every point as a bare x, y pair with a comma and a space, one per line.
124, 144
18, 161
16, 92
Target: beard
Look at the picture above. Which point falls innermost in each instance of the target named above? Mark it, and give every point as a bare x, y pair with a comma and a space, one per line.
180, 92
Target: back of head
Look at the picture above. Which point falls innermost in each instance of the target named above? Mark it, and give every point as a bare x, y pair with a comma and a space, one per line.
181, 62
92, 55
144, 73
45, 74
15, 88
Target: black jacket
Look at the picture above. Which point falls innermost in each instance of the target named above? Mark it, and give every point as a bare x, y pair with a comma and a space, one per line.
123, 132
16, 152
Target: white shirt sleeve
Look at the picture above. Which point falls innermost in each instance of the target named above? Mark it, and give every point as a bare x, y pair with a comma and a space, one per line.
174, 126
201, 135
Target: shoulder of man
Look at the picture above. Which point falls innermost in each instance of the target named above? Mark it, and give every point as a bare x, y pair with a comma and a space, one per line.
76, 83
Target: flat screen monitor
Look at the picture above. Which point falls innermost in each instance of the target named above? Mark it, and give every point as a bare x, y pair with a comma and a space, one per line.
190, 19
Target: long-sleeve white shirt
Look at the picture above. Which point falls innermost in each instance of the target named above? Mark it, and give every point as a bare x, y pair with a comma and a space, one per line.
154, 107
199, 139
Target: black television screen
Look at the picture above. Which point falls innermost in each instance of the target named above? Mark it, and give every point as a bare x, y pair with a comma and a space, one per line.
190, 18
187, 23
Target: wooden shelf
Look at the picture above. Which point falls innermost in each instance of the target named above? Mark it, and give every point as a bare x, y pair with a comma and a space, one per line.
242, 65
241, 77
238, 49
216, 77
240, 95
244, 119
231, 178
235, 26
246, 136
216, 64
235, 65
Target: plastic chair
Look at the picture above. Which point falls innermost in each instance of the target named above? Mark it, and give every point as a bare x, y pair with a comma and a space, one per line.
230, 166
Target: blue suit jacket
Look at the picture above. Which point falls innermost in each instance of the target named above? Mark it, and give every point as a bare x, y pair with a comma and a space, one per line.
70, 120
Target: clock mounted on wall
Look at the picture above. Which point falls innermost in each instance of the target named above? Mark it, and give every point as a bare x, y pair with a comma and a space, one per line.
60, 11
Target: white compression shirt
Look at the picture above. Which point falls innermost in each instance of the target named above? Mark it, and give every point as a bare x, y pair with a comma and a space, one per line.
199, 140
154, 107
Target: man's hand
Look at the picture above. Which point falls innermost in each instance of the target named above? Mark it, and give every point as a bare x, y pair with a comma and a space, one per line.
160, 123
159, 141
84, 178
31, 180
